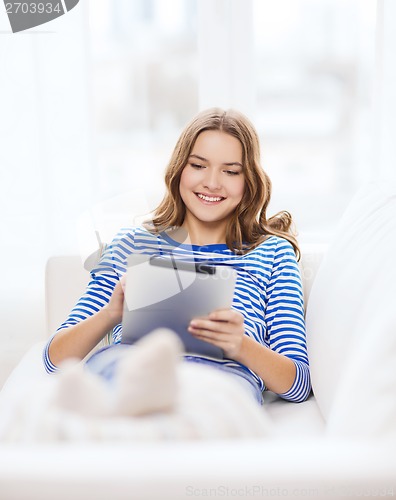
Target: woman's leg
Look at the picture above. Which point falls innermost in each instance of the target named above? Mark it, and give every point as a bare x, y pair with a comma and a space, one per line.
105, 361
248, 386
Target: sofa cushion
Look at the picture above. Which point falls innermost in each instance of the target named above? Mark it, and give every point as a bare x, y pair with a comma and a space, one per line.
365, 403
352, 292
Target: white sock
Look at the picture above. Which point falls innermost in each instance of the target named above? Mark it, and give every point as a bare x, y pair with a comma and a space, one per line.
146, 379
81, 391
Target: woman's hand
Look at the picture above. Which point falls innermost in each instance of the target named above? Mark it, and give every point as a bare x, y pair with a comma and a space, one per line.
223, 328
116, 303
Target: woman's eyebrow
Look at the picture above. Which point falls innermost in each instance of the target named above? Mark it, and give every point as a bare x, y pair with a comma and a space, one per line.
230, 164
199, 157
233, 163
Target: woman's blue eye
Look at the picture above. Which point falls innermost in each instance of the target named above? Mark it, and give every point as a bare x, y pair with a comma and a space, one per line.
231, 172
195, 165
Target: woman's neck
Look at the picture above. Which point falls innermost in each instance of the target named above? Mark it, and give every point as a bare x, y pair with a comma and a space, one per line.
198, 236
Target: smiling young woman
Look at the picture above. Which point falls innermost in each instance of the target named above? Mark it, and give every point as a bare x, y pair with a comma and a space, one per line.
213, 211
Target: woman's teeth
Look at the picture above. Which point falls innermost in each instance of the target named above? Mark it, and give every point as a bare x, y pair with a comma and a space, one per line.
209, 198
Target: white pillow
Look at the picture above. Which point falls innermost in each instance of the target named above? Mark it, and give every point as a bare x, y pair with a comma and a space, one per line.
354, 288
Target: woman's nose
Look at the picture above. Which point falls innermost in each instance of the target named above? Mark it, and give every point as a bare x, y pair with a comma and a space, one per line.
212, 180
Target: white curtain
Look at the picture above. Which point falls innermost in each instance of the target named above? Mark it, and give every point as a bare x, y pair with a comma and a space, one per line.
385, 95
226, 55
45, 165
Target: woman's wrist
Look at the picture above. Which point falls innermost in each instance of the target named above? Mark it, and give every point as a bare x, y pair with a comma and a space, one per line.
110, 317
244, 350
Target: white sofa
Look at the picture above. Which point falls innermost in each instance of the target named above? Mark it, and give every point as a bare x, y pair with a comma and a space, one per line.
340, 443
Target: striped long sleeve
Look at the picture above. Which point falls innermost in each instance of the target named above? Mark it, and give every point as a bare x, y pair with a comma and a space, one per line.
104, 278
285, 318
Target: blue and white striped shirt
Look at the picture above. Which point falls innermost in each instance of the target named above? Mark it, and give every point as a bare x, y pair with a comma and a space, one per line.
268, 293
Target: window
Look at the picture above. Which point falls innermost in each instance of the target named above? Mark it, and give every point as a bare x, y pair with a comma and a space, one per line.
314, 81
302, 70
144, 80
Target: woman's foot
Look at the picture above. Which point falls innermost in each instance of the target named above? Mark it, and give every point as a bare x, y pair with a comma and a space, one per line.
146, 379
81, 391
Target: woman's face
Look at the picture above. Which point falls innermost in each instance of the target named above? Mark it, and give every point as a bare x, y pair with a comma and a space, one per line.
212, 183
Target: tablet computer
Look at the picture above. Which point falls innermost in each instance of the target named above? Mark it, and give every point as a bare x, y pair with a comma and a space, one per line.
162, 291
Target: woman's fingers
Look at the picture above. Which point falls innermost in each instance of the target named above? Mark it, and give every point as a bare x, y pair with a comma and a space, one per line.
229, 315
202, 325
221, 320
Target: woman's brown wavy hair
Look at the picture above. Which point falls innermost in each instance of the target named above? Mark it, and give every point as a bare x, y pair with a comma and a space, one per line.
248, 225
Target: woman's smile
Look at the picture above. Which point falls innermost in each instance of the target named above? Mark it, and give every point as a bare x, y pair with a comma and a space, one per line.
208, 199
